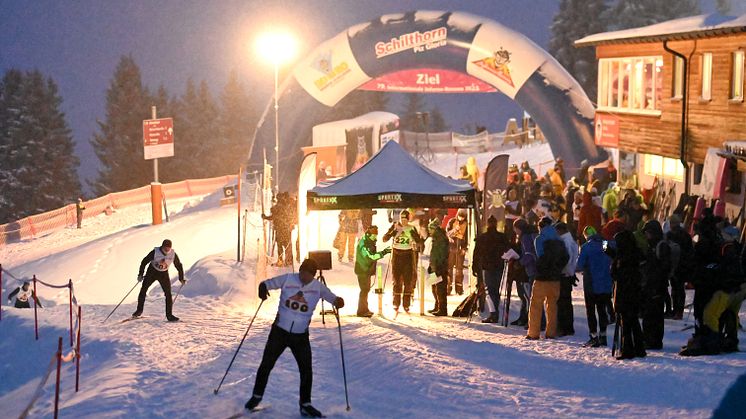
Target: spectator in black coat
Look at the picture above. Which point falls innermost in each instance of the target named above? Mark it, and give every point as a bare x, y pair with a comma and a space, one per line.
488, 251
625, 271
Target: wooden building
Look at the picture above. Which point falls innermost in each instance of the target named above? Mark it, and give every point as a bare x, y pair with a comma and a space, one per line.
667, 93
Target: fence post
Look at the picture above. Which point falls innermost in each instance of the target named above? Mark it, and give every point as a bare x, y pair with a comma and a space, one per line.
70, 294
36, 321
77, 350
57, 387
1, 287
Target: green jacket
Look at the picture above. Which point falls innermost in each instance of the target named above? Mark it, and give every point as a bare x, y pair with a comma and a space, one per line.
366, 256
439, 250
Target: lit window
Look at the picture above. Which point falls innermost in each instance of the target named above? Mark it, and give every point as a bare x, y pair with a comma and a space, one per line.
707, 76
632, 84
736, 83
663, 167
678, 78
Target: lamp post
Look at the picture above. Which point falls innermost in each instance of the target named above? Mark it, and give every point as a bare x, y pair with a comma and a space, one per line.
277, 48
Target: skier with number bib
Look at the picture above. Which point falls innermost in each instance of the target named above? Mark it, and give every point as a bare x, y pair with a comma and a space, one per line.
299, 295
406, 242
23, 294
158, 261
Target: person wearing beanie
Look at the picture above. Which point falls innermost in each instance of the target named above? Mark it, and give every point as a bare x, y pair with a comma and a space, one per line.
158, 261
23, 294
456, 231
655, 272
406, 244
488, 251
299, 294
365, 266
678, 234
438, 267
595, 265
552, 258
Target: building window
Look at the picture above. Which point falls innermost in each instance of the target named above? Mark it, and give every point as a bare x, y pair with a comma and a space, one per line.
706, 76
663, 167
630, 84
736, 82
678, 78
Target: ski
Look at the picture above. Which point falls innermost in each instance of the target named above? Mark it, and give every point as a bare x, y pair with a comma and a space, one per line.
246, 412
616, 344
133, 318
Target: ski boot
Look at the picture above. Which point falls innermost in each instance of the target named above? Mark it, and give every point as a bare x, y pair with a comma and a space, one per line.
306, 410
253, 402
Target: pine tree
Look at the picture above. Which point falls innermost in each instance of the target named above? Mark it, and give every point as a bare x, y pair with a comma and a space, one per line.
627, 14
197, 127
39, 166
409, 120
237, 121
119, 144
437, 122
574, 20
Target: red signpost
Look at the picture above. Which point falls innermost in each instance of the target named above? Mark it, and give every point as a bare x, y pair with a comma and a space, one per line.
77, 350
158, 138
70, 295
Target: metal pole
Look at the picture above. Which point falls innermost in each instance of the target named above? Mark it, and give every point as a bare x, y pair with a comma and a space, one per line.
155, 161
277, 131
238, 200
238, 349
36, 320
1, 287
57, 387
77, 350
70, 295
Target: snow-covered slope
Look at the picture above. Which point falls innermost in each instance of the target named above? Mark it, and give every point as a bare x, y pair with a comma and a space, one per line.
417, 366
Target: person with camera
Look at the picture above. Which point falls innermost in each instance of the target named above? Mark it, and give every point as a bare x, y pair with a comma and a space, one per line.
365, 266
299, 294
406, 244
158, 261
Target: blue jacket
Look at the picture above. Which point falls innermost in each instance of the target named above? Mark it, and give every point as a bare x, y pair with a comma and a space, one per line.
528, 254
546, 233
594, 262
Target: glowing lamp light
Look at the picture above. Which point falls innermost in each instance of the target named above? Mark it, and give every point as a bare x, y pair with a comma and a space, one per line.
277, 47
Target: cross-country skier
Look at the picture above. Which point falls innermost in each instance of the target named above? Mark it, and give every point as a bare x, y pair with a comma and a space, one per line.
298, 298
22, 294
406, 242
158, 261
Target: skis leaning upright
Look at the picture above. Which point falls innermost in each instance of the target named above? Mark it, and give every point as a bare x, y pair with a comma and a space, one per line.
508, 292
615, 344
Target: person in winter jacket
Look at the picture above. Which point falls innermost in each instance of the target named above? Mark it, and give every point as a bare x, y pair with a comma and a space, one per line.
596, 267
348, 227
284, 217
616, 225
79, 208
526, 235
488, 251
299, 295
456, 231
22, 295
655, 273
590, 214
439, 267
678, 234
565, 314
158, 261
365, 267
406, 244
552, 258
625, 271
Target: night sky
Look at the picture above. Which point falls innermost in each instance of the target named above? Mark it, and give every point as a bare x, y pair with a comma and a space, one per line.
79, 43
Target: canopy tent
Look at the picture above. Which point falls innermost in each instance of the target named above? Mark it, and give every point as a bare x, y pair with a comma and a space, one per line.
392, 179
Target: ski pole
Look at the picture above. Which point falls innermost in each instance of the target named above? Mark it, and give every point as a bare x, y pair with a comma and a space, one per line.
342, 351
120, 303
239, 348
177, 293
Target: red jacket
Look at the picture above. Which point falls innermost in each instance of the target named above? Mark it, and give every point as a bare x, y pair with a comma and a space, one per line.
590, 215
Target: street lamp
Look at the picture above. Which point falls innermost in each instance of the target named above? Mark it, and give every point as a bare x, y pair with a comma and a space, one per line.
277, 48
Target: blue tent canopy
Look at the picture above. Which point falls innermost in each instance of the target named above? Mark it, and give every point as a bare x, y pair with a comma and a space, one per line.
392, 179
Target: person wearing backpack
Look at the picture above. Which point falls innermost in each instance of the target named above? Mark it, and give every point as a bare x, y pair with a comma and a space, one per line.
678, 234
552, 258
656, 272
596, 267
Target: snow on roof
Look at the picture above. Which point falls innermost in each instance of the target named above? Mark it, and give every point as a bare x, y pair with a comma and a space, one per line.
708, 25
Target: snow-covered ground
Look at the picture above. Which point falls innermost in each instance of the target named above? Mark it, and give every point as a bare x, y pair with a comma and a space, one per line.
414, 365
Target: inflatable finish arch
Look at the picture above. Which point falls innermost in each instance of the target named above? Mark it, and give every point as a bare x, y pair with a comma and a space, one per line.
468, 44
